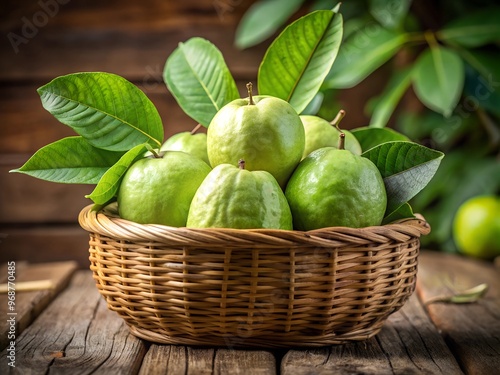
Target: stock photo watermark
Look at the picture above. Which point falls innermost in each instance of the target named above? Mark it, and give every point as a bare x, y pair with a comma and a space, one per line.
11, 314
32, 24
222, 7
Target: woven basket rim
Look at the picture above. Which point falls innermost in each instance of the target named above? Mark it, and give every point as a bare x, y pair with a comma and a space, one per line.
105, 221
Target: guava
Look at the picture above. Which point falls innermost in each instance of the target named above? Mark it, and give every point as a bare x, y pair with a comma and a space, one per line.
333, 187
476, 227
321, 133
264, 131
191, 142
233, 197
159, 190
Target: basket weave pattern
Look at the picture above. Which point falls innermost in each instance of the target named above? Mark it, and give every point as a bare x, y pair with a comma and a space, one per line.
252, 288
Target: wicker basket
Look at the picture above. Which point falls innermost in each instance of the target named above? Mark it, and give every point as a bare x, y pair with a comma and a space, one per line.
252, 288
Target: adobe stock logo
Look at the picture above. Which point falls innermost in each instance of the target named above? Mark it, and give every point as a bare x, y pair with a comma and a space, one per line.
30, 27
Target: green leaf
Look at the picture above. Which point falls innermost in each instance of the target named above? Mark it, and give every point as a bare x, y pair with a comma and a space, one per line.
371, 137
263, 19
109, 183
314, 105
438, 79
107, 110
467, 296
481, 84
70, 160
473, 30
199, 79
486, 63
299, 59
390, 13
463, 174
362, 53
402, 212
406, 168
390, 97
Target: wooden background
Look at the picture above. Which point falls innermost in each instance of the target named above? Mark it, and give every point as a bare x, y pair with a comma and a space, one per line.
44, 39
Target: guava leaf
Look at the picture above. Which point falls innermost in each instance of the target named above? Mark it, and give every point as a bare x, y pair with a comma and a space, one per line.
390, 97
70, 160
406, 168
109, 183
438, 79
262, 20
199, 79
298, 60
482, 79
107, 110
471, 295
371, 137
361, 54
402, 212
473, 30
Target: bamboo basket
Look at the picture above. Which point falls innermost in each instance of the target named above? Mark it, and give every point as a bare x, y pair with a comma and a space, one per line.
252, 288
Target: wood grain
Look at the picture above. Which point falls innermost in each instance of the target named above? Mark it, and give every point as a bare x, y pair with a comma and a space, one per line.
171, 359
59, 243
57, 342
123, 37
472, 331
77, 334
407, 344
28, 305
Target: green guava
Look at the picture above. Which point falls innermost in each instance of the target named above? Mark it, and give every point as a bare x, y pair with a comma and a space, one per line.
233, 197
192, 143
476, 227
159, 190
264, 131
333, 187
320, 133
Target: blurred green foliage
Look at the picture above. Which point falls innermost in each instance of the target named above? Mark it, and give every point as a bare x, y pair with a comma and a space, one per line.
444, 53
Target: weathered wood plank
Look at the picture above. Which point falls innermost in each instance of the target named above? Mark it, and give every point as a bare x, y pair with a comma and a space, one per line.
177, 360
124, 37
242, 362
172, 359
407, 344
77, 334
59, 243
472, 331
28, 305
25, 199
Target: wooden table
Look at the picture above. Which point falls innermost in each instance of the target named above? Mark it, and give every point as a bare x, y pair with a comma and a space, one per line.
68, 329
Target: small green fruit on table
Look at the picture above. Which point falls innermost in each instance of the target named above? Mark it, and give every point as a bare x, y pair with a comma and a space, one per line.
476, 227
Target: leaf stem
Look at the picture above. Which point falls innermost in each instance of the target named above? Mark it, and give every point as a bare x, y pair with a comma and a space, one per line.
250, 96
431, 39
155, 153
196, 129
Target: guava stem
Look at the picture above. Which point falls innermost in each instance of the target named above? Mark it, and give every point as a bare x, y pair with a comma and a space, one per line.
155, 153
250, 97
241, 164
341, 141
336, 121
195, 129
